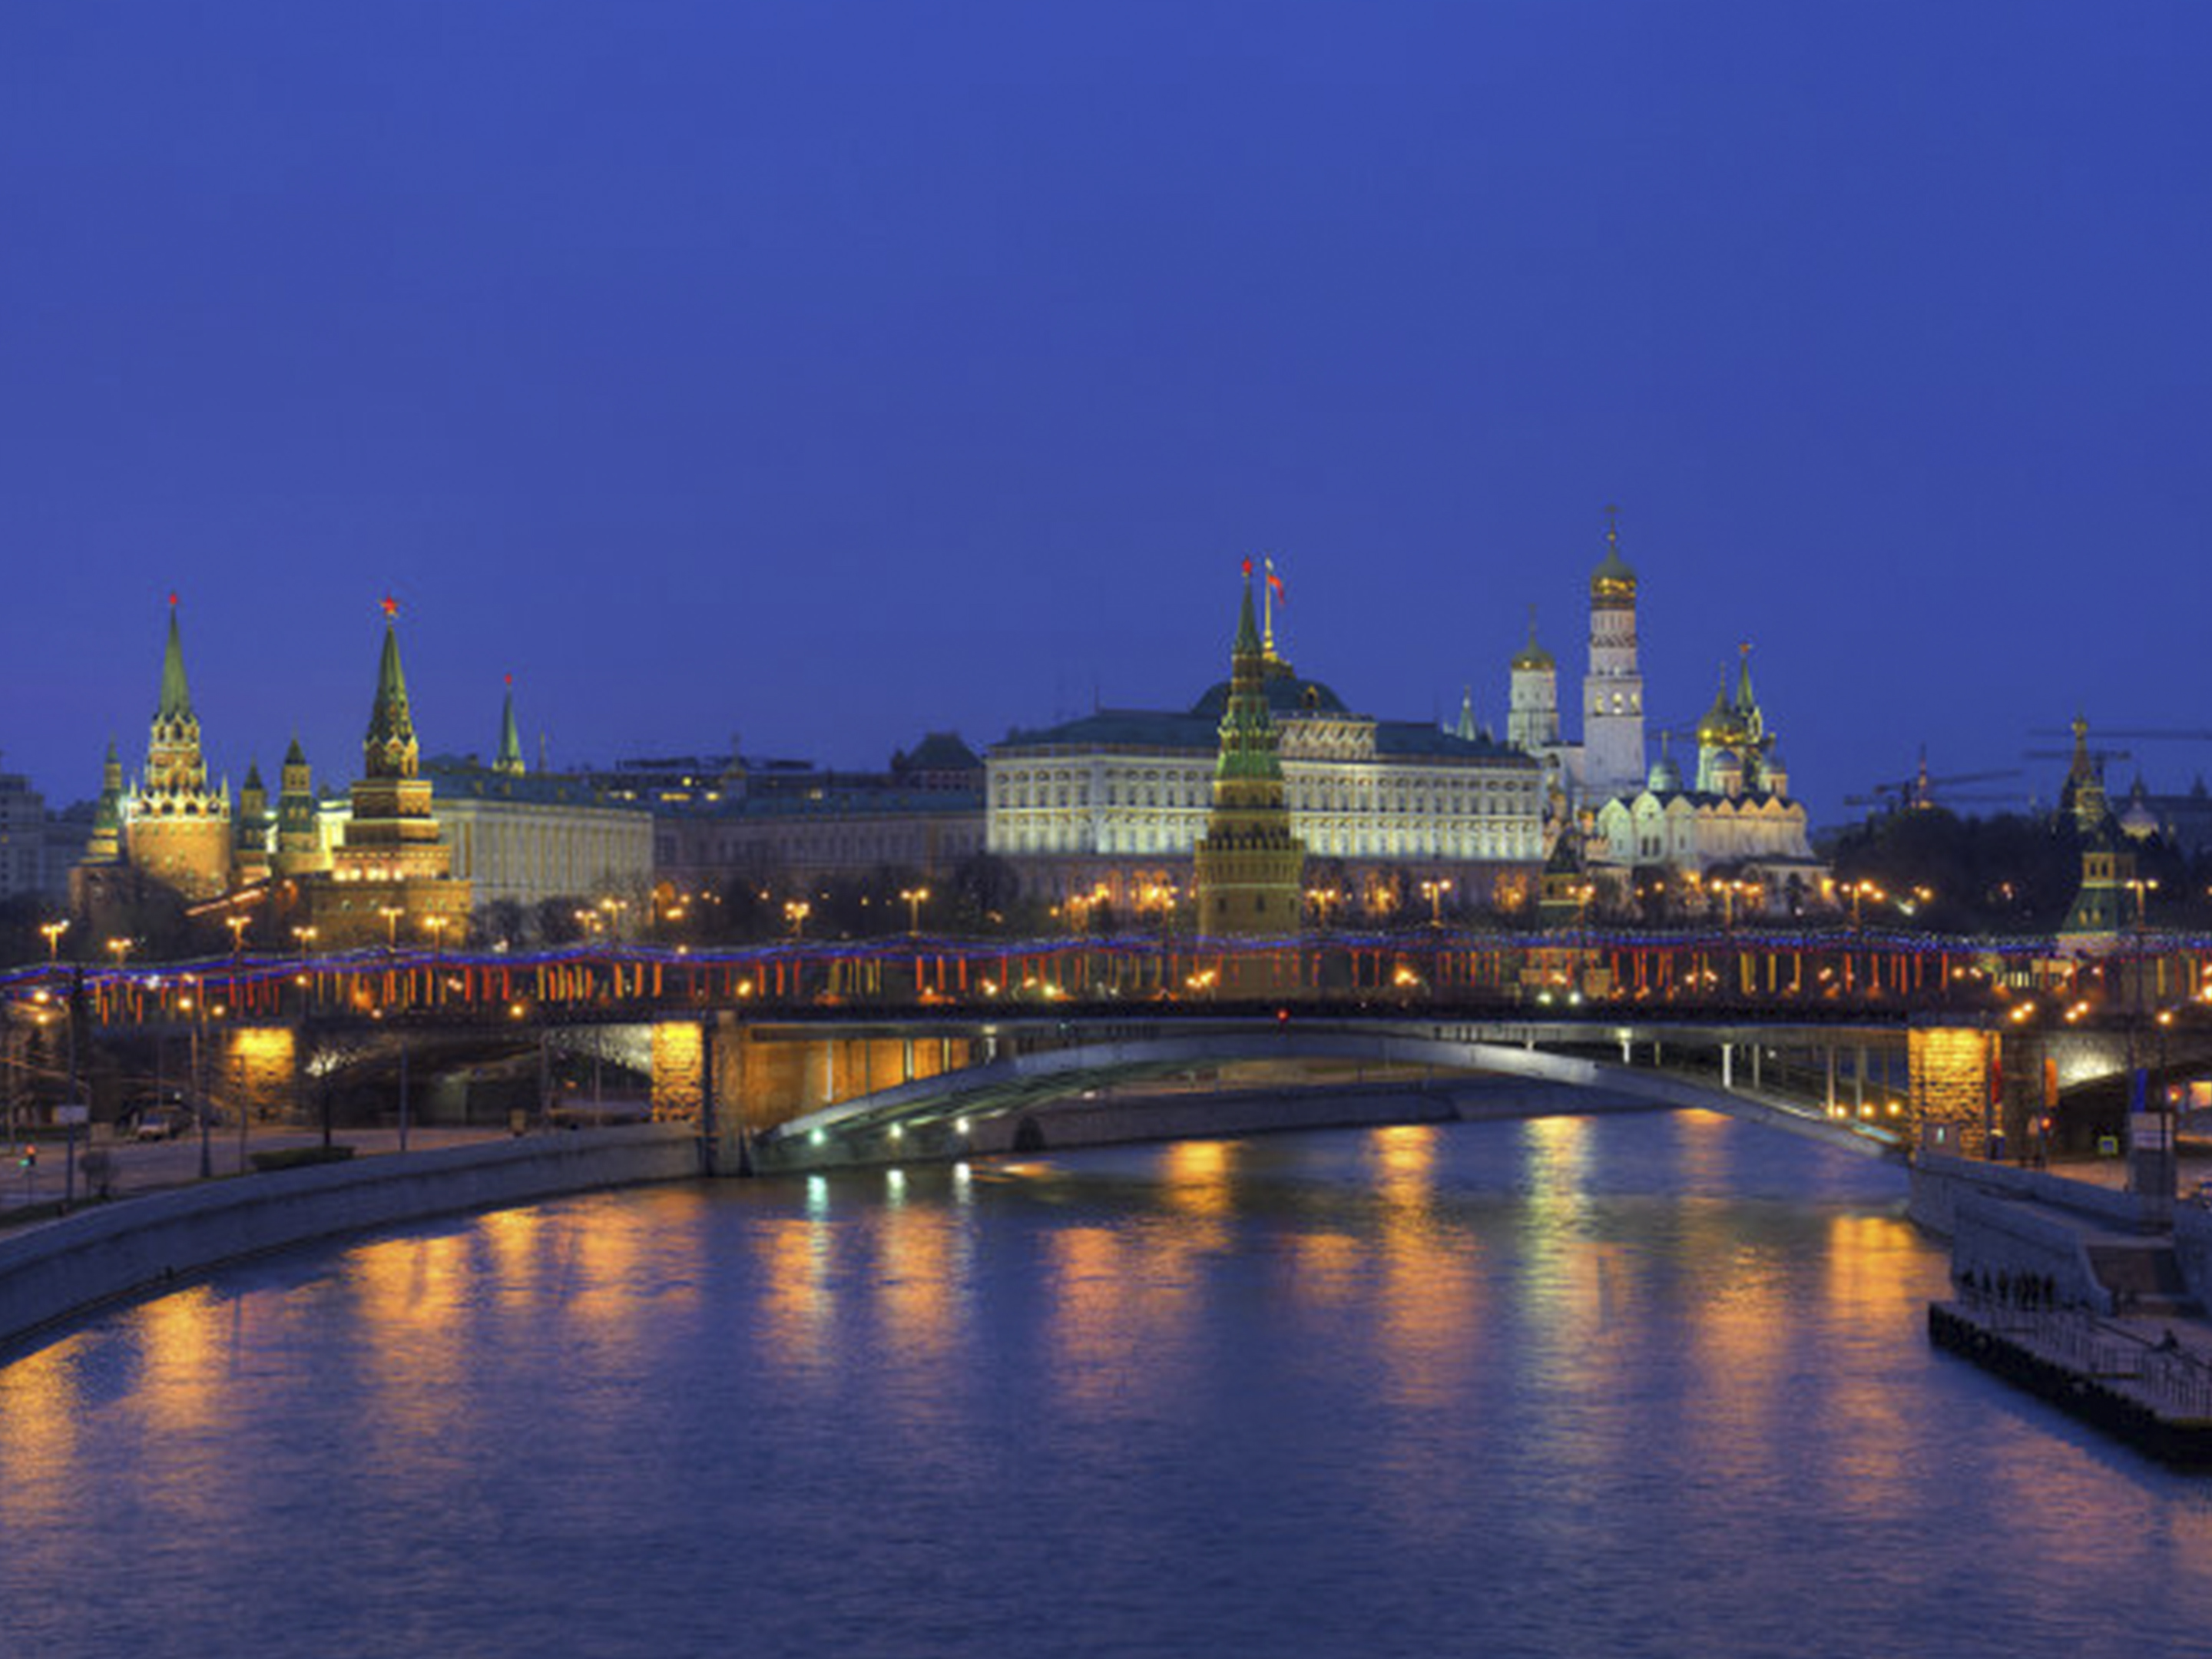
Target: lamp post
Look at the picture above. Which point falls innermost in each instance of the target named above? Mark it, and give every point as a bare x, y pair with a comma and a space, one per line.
1434, 891
915, 897
238, 925
193, 1092
53, 931
796, 911
391, 913
121, 947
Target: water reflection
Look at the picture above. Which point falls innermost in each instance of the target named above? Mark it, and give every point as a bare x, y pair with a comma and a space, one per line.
794, 1299
38, 1432
1606, 1363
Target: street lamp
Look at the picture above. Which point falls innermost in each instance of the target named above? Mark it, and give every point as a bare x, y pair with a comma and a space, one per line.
796, 911
53, 931
1434, 891
121, 947
2144, 886
238, 925
915, 897
391, 913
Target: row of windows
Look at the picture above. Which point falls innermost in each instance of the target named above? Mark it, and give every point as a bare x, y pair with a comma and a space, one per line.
1363, 794
1508, 842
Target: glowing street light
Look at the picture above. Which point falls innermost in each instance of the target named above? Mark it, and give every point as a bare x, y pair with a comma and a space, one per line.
53, 931
122, 948
238, 925
796, 911
915, 897
1434, 891
391, 913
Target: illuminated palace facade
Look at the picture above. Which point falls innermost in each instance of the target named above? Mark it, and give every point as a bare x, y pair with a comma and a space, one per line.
1115, 803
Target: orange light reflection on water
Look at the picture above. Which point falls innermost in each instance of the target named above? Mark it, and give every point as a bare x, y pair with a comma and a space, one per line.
39, 1430
914, 1281
795, 1263
1431, 1286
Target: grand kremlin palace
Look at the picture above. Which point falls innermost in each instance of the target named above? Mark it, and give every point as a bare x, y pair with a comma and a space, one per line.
1117, 800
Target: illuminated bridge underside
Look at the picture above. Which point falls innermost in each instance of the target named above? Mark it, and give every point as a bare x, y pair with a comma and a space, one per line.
930, 1110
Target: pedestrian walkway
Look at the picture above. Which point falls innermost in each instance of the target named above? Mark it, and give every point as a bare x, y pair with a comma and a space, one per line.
125, 1168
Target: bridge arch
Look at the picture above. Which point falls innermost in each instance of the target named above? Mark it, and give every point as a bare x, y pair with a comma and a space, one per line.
985, 1106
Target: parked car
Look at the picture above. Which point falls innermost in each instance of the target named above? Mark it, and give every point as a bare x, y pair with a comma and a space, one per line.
163, 1123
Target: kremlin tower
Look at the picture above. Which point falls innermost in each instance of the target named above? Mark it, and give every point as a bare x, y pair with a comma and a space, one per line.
391, 872
1250, 868
174, 830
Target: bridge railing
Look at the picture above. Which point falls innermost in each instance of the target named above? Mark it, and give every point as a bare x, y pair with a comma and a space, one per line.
1746, 970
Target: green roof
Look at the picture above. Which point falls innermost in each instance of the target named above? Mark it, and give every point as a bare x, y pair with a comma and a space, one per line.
176, 695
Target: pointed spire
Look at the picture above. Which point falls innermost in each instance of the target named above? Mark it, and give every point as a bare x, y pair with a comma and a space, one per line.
293, 755
1745, 701
176, 695
1247, 626
509, 758
389, 722
1466, 712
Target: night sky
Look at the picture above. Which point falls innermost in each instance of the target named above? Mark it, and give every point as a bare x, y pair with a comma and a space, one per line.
830, 373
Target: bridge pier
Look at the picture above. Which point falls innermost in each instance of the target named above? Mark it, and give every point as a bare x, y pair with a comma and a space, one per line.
1948, 1109
755, 1076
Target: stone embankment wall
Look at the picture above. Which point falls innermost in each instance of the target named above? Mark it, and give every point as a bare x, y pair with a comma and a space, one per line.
55, 1272
2192, 1248
2013, 1223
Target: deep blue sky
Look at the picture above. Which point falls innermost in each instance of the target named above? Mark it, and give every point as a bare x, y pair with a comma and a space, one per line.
828, 372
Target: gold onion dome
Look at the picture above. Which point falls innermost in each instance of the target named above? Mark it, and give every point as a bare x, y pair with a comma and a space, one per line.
1614, 578
1719, 724
1533, 655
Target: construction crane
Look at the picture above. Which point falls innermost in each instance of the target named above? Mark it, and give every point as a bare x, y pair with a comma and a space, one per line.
2133, 734
1920, 790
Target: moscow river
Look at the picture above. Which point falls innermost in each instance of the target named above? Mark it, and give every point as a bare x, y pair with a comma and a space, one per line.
1651, 1384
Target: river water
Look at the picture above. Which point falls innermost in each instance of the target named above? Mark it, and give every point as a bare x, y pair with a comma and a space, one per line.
1652, 1384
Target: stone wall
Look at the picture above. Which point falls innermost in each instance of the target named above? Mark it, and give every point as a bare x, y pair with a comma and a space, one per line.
52, 1273
1939, 1183
2192, 1248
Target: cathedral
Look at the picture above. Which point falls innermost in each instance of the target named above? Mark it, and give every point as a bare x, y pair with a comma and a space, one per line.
1735, 814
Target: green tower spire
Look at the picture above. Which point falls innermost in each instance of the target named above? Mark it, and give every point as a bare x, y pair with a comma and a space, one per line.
1247, 865
176, 694
509, 758
390, 746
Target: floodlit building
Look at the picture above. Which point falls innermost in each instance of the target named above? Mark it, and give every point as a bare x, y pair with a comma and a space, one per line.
1116, 801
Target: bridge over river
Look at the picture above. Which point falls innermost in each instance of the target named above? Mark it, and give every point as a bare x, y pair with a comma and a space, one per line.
802, 1052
